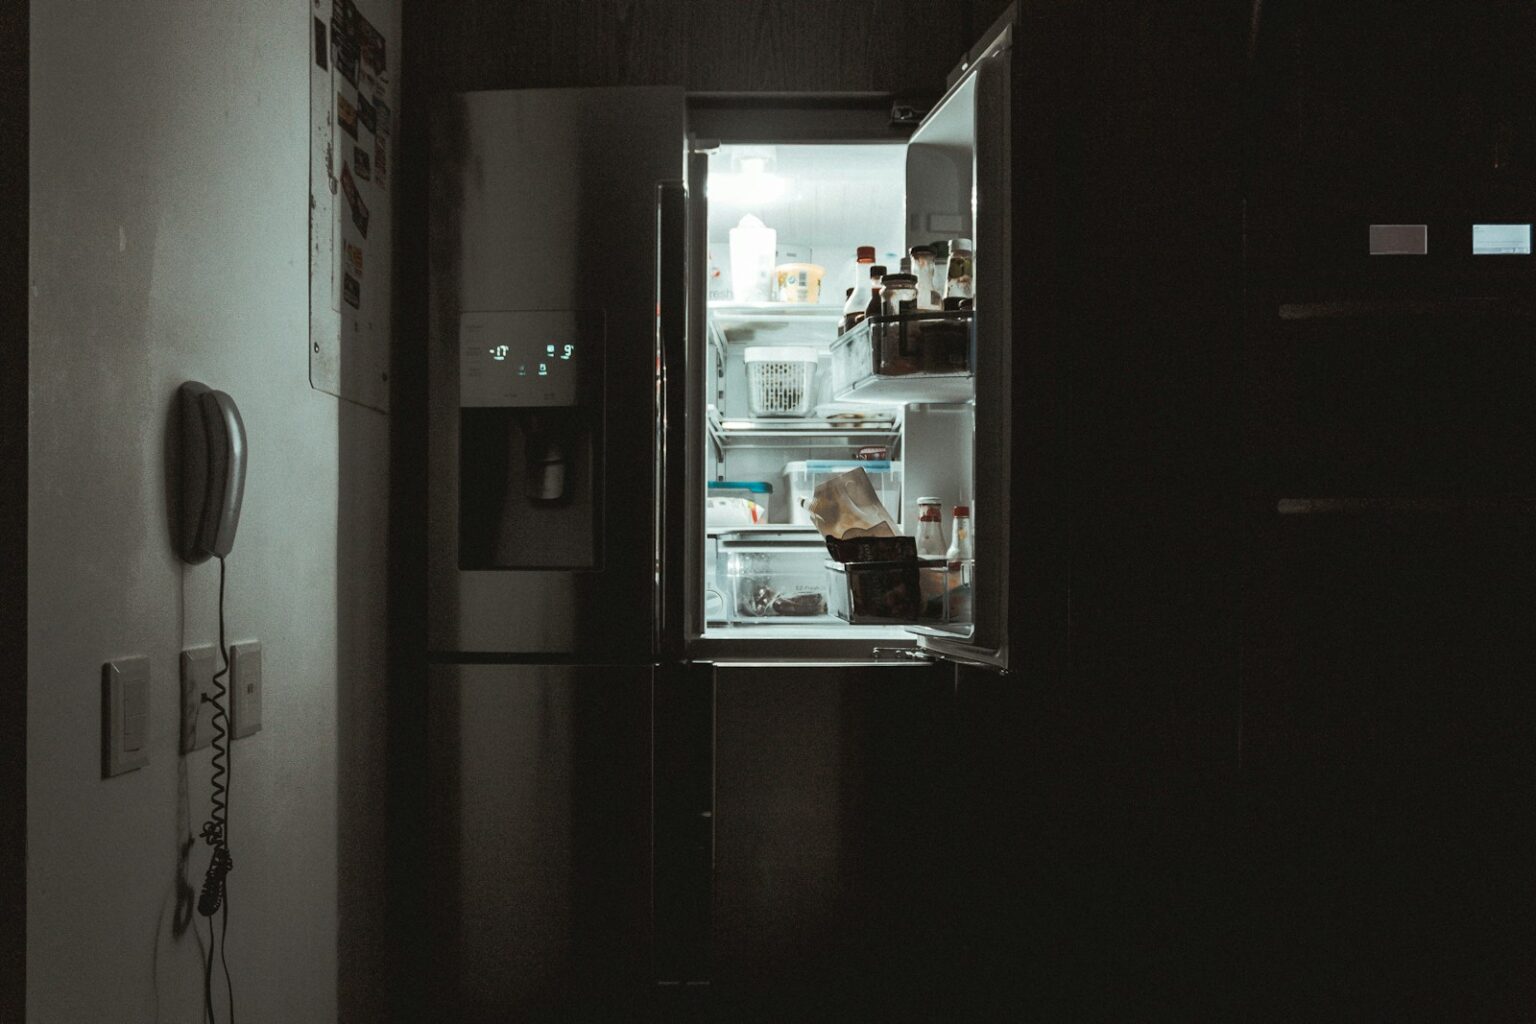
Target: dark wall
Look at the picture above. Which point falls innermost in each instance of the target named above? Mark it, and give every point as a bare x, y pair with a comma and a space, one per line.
761, 45
13, 506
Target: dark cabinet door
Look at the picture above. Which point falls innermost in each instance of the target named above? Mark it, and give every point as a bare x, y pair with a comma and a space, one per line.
834, 885
1387, 768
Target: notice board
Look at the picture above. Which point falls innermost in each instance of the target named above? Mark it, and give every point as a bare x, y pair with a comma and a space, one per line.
353, 68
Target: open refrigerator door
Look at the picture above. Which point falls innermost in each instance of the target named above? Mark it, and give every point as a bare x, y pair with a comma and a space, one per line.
807, 384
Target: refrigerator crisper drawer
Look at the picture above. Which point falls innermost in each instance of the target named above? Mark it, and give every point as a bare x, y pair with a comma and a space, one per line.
914, 357
775, 577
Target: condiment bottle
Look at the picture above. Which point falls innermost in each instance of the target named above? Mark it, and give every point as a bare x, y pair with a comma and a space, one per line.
858, 299
842, 325
930, 528
958, 284
961, 556
875, 305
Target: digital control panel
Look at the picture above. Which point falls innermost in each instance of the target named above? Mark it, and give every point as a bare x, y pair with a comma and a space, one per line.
522, 359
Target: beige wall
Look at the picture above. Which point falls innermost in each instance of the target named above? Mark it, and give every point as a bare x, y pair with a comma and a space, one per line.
169, 177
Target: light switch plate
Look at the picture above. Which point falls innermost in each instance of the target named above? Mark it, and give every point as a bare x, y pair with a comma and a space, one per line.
245, 673
124, 715
197, 667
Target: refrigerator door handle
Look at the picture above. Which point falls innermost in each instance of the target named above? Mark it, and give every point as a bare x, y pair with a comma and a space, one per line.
671, 420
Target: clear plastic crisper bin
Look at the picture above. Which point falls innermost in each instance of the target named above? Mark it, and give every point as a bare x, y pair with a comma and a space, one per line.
802, 478
768, 581
781, 381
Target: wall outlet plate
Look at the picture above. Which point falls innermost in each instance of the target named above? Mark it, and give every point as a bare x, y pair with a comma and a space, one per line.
124, 715
245, 687
197, 667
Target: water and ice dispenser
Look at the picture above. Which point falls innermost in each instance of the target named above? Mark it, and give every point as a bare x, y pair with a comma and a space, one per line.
531, 424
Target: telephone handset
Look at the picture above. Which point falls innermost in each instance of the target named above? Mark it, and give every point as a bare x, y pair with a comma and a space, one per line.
212, 472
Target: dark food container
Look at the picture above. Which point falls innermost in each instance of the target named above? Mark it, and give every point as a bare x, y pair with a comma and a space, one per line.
874, 592
922, 343
873, 549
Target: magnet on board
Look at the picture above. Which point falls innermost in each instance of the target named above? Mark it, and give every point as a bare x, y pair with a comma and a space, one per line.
346, 115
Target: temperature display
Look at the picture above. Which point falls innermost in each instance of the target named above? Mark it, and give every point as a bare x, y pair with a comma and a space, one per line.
518, 359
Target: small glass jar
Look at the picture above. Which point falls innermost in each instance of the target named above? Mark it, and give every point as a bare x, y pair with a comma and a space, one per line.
899, 340
928, 296
962, 265
898, 294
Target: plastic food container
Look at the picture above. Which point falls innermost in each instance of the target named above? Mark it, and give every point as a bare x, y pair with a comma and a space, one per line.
801, 478
752, 248
781, 381
874, 592
768, 577
798, 282
758, 491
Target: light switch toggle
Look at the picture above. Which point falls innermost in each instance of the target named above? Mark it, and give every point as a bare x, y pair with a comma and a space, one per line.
125, 715
198, 665
245, 685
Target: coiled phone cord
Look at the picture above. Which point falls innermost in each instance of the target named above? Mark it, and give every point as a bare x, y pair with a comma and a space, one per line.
216, 829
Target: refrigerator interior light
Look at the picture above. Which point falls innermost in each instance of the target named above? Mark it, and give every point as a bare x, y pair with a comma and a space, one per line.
751, 185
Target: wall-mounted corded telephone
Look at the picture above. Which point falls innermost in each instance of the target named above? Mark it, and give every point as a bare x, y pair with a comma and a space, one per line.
212, 472
212, 486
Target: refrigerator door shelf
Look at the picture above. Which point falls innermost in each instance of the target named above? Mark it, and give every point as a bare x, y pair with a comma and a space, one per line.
915, 357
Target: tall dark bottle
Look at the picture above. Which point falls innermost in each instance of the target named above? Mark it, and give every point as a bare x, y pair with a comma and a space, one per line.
876, 286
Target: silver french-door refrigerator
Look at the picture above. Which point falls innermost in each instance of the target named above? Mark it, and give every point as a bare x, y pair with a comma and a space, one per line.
616, 520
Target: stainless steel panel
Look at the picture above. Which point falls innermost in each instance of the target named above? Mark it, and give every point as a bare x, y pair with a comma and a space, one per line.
669, 512
539, 789
546, 200
692, 499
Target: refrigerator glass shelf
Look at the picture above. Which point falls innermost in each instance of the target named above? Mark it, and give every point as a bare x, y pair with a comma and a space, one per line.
822, 628
953, 631
945, 389
735, 431
759, 311
799, 532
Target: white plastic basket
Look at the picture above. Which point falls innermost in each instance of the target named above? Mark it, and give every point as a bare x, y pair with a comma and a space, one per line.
781, 381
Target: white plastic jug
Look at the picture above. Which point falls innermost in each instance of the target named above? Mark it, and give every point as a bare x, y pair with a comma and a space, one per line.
753, 248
